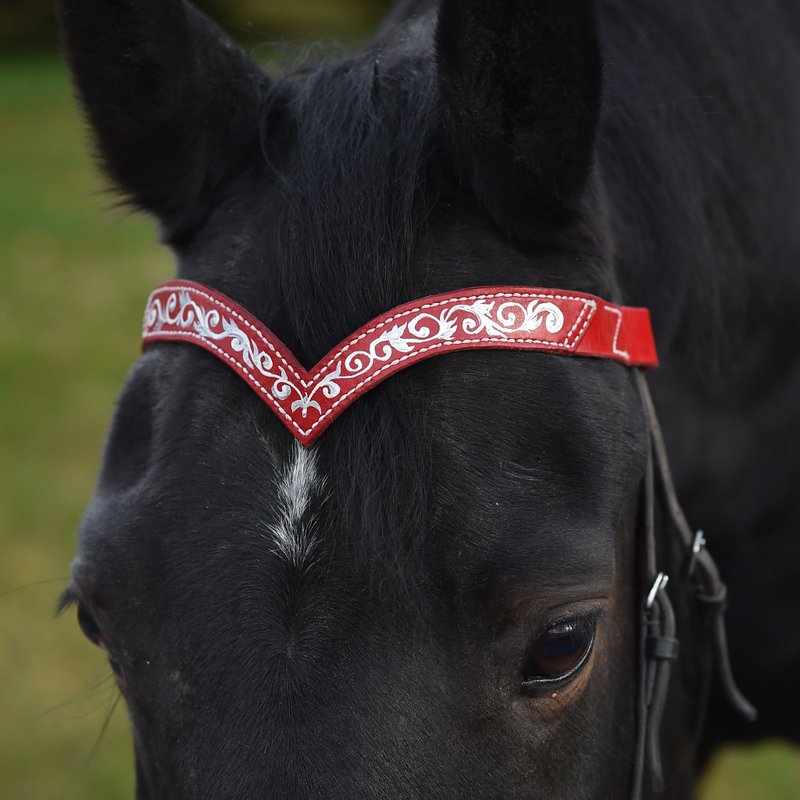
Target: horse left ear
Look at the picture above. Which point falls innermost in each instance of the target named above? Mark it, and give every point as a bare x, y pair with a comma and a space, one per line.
173, 102
521, 80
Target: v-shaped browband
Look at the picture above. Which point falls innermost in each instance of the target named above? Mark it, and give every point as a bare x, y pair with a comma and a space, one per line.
307, 402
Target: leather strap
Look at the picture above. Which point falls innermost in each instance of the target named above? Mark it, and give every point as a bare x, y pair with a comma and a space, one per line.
494, 317
710, 591
658, 646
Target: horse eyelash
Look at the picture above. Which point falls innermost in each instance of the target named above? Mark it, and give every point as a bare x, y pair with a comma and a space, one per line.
585, 619
66, 600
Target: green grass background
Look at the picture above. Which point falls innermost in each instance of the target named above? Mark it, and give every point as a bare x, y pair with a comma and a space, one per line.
73, 279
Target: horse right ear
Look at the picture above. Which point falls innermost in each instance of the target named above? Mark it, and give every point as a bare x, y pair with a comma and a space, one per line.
521, 81
172, 101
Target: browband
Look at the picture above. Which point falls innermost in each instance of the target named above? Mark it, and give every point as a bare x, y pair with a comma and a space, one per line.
494, 317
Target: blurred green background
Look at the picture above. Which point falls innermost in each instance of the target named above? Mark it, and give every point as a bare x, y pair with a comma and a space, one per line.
74, 274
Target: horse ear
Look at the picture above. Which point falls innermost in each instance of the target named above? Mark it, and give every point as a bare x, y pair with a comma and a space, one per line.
522, 81
172, 101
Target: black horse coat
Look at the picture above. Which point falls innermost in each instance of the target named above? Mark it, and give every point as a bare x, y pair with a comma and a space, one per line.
375, 617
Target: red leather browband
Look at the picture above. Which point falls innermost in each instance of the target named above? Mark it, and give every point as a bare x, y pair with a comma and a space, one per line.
496, 317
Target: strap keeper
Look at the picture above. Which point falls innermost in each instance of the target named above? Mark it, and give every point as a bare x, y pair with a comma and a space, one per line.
662, 648
714, 604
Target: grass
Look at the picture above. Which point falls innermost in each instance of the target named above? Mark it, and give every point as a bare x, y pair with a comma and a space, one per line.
73, 279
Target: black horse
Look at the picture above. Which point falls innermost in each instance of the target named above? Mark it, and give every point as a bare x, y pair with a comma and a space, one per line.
440, 598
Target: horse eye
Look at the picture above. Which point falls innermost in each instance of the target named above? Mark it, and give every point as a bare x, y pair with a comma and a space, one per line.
89, 627
559, 653
91, 630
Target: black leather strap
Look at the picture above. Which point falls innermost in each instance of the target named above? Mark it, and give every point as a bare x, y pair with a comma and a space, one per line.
658, 646
661, 648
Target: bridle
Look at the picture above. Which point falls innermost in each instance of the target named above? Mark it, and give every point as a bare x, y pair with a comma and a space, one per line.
658, 645
497, 317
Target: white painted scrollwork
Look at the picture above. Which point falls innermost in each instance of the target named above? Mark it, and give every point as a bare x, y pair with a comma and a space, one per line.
481, 316
180, 311
411, 332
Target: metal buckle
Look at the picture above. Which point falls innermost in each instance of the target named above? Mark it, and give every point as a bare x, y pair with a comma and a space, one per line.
698, 545
660, 583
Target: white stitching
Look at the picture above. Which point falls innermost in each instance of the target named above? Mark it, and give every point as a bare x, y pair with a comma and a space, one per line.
588, 304
426, 306
437, 346
369, 379
156, 335
238, 316
614, 347
587, 311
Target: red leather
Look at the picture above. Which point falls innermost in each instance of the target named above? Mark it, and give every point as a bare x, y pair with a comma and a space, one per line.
494, 317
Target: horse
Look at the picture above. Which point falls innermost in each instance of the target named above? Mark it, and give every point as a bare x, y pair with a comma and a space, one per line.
447, 594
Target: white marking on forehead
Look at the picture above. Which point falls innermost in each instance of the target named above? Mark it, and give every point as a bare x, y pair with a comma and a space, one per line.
298, 483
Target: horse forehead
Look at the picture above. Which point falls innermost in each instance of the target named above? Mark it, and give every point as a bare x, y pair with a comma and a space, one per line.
218, 490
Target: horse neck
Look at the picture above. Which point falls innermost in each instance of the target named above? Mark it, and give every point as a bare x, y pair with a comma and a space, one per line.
696, 211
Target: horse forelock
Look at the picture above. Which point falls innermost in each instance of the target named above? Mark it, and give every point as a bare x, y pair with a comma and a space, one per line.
354, 195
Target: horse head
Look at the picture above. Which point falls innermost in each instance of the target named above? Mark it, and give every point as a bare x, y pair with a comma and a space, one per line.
440, 597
